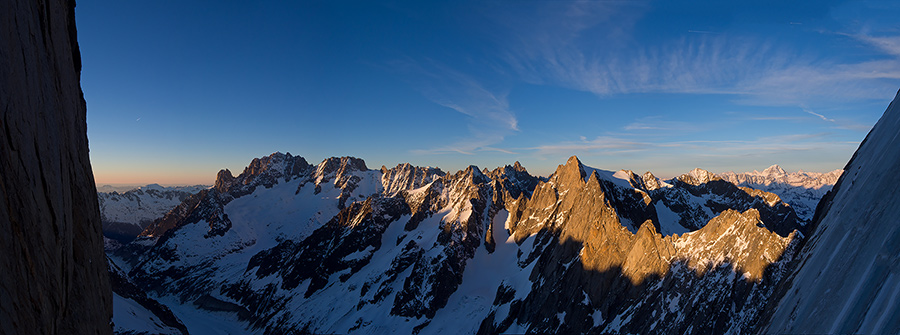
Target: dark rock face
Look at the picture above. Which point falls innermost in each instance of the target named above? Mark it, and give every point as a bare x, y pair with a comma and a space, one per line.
54, 278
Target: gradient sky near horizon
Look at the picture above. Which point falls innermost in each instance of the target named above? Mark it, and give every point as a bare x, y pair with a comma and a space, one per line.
178, 90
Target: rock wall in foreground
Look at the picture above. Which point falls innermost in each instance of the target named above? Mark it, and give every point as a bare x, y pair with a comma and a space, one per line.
848, 278
53, 273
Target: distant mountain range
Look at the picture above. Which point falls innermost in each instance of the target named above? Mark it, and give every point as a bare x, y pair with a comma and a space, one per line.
802, 190
124, 215
337, 248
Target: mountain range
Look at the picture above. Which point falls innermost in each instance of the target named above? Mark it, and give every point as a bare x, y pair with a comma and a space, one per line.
801, 189
337, 247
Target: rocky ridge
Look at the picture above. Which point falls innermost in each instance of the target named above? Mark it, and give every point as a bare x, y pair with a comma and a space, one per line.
583, 253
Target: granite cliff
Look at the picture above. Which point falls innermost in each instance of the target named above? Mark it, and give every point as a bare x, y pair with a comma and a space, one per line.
54, 272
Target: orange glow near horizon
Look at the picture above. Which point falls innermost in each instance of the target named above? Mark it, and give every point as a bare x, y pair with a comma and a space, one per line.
112, 177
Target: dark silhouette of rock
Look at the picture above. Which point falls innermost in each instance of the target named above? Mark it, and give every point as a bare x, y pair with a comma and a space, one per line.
53, 273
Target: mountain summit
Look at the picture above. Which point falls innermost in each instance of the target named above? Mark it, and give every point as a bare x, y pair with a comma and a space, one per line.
773, 171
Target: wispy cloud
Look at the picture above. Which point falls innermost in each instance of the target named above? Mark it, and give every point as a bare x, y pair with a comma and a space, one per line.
819, 115
487, 112
840, 124
757, 71
887, 44
659, 123
702, 32
599, 145
776, 118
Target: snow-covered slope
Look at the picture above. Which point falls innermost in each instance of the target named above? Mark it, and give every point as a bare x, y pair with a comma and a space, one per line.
848, 280
337, 248
801, 189
125, 215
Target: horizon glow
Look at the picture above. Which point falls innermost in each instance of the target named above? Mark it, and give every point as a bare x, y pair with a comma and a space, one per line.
177, 91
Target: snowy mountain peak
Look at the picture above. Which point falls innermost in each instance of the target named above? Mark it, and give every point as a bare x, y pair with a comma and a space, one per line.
265, 171
383, 246
514, 180
697, 176
275, 165
634, 179
774, 170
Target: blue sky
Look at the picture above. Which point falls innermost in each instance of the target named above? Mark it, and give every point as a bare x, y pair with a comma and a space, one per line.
178, 90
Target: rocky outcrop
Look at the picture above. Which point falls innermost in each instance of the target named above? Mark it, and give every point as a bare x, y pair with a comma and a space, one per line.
54, 277
437, 274
739, 239
407, 177
650, 182
343, 173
